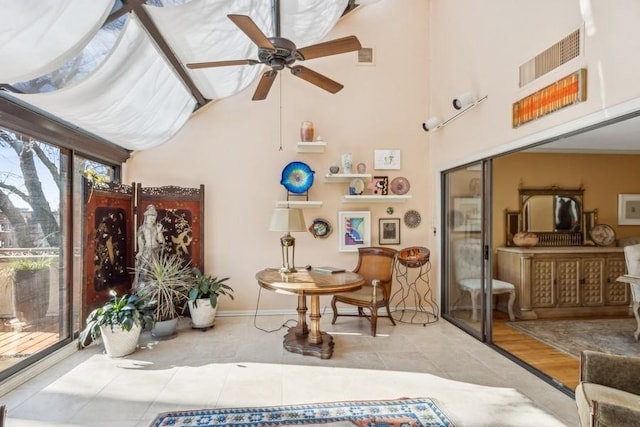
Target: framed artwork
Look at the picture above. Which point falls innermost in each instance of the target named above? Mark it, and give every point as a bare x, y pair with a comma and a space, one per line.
379, 185
628, 209
467, 213
386, 159
389, 231
354, 230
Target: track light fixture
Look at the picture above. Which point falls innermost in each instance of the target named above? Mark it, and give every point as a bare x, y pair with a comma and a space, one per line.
464, 102
431, 124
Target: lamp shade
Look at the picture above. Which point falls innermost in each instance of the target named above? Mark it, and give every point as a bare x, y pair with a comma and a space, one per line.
287, 219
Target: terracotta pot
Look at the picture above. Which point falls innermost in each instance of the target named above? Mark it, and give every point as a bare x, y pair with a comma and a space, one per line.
525, 239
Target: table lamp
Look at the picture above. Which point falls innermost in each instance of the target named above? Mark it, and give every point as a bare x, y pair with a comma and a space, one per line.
287, 219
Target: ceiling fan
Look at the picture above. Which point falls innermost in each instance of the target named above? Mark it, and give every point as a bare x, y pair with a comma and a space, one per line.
279, 53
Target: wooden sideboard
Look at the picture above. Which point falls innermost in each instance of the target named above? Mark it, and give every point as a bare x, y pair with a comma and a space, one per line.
565, 281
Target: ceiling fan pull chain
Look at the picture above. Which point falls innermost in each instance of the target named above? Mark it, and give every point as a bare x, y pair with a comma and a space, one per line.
280, 84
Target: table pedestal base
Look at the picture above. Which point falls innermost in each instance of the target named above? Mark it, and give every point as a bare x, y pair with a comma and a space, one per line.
301, 345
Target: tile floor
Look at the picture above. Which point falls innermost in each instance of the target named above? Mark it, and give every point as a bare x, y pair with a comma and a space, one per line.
86, 389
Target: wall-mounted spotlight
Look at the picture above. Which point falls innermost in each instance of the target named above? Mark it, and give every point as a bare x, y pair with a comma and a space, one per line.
431, 124
464, 102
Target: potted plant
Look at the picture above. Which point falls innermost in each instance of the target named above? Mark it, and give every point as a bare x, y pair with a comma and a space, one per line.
118, 322
31, 288
203, 298
166, 283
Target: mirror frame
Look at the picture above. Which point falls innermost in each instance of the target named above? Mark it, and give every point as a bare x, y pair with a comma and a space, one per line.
552, 238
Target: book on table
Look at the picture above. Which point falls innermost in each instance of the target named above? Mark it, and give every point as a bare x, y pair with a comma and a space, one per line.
329, 270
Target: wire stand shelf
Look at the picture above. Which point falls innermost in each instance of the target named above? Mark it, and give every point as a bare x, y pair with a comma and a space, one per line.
424, 309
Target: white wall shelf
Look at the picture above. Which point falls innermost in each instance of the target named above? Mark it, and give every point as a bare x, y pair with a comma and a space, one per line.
373, 198
311, 147
299, 203
345, 177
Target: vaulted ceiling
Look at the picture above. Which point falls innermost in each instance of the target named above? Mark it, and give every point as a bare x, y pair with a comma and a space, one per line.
117, 68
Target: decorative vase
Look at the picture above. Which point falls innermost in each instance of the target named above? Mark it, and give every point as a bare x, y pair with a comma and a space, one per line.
334, 169
525, 239
306, 131
346, 163
202, 314
361, 168
118, 342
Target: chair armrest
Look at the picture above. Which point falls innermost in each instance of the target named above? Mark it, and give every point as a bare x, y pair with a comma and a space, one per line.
620, 372
609, 414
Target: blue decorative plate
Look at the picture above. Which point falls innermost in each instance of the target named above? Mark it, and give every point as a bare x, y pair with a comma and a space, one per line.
297, 177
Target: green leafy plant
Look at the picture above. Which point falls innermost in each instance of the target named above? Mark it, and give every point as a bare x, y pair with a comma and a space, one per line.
32, 263
166, 282
124, 311
206, 286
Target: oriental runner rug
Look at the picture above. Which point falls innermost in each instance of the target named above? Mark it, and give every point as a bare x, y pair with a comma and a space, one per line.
370, 413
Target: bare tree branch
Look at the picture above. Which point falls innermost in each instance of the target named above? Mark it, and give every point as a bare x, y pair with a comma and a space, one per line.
48, 163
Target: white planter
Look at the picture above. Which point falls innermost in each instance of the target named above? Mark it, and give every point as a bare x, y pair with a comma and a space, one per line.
117, 342
203, 315
164, 328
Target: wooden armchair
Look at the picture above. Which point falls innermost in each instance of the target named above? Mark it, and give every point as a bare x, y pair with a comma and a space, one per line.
375, 265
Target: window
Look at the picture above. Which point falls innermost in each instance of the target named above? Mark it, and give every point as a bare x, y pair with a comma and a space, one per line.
36, 310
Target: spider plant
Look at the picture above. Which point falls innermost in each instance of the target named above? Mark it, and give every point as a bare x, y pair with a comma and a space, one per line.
166, 282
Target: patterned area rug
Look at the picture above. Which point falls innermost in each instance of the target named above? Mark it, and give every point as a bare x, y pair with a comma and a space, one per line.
613, 336
374, 413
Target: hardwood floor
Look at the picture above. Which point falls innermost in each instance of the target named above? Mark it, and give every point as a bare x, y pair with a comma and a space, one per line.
561, 367
558, 365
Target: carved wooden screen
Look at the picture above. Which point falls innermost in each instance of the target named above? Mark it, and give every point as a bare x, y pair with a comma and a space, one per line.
181, 213
108, 229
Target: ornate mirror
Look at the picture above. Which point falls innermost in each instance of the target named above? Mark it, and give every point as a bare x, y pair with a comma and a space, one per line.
554, 214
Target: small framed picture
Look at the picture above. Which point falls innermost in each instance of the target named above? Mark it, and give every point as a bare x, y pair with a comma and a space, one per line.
354, 230
386, 159
379, 185
389, 231
628, 209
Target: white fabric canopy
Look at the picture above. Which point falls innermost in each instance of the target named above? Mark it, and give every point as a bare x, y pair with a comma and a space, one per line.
38, 36
135, 99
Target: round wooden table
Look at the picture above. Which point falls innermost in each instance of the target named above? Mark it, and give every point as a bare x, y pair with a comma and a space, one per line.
301, 339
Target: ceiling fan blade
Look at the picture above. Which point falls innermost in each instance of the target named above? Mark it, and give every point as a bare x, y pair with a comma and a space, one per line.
332, 47
196, 65
316, 79
252, 31
264, 85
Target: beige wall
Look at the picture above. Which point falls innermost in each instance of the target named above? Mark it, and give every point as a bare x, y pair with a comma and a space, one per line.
232, 146
479, 46
422, 63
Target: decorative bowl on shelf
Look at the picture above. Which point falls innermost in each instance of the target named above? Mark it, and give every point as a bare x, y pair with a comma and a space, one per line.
400, 185
525, 239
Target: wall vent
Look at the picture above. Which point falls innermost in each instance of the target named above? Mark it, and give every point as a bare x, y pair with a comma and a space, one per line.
560, 53
365, 56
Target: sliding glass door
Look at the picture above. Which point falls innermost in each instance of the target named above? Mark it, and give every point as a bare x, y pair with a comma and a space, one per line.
464, 248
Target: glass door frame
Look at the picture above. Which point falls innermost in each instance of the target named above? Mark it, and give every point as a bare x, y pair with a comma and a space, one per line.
482, 190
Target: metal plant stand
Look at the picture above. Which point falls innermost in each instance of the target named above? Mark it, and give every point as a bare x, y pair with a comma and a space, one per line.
413, 306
